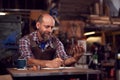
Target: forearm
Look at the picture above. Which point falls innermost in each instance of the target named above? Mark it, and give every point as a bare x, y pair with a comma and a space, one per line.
70, 61
41, 63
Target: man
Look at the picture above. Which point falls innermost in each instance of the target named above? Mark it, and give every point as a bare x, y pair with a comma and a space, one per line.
44, 49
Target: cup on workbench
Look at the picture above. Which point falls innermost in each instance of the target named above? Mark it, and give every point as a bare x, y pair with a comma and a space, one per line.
21, 63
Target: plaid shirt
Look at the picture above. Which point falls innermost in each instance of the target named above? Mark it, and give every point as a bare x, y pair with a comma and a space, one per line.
25, 50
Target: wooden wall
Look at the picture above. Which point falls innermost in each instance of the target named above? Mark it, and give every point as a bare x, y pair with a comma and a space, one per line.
73, 28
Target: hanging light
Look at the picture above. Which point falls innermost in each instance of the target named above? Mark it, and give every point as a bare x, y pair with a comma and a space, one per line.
89, 33
3, 13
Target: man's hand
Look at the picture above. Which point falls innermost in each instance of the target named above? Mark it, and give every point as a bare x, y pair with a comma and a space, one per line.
57, 62
78, 52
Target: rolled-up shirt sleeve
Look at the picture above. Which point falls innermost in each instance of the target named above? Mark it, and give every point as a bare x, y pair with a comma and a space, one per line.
24, 48
60, 50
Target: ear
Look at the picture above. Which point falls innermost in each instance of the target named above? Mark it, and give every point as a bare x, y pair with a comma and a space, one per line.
37, 25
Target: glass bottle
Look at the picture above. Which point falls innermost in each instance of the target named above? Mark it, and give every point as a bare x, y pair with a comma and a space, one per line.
95, 59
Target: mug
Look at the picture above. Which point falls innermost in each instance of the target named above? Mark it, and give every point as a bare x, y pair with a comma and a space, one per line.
21, 63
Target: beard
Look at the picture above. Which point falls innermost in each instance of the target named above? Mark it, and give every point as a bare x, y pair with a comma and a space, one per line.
46, 36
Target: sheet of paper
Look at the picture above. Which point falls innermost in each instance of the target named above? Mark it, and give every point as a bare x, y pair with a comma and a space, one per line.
59, 68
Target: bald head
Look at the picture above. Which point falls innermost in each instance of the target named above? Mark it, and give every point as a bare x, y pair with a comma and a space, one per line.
45, 17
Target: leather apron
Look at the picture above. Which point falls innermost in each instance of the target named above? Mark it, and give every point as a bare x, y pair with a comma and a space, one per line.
38, 53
